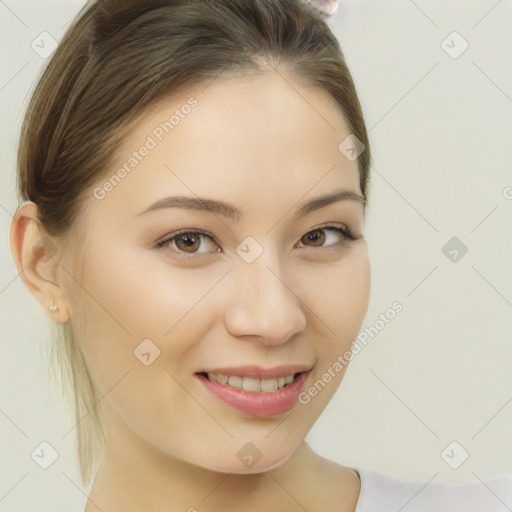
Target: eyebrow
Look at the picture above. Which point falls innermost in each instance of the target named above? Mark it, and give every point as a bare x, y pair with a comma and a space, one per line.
232, 212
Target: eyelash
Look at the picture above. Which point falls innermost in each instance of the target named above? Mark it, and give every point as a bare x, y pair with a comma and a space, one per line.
159, 244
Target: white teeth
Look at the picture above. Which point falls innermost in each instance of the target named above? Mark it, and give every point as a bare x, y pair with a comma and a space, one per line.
269, 385
235, 381
221, 379
250, 384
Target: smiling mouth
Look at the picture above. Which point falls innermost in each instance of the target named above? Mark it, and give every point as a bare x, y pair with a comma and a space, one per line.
265, 397
250, 384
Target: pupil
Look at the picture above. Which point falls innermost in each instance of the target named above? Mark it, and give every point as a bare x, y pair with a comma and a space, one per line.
316, 236
189, 240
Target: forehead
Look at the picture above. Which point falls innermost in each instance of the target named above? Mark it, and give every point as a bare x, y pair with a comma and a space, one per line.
244, 136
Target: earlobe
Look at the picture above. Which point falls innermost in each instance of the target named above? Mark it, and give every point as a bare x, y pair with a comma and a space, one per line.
37, 256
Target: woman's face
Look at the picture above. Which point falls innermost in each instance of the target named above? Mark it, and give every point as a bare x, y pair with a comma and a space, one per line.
269, 288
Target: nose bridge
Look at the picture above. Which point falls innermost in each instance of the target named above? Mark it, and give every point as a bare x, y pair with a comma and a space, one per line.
263, 303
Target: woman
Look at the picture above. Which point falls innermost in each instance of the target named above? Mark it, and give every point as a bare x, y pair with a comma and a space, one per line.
194, 177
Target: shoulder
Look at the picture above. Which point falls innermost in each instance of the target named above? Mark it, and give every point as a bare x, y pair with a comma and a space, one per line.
493, 494
336, 487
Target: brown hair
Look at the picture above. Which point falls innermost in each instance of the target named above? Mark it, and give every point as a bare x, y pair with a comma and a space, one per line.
121, 57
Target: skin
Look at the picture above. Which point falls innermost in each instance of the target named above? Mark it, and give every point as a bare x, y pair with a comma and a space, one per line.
266, 145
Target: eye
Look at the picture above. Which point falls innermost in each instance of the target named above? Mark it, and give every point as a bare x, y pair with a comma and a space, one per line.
186, 243
318, 237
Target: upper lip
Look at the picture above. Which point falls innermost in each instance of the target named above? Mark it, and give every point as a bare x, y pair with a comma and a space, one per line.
258, 372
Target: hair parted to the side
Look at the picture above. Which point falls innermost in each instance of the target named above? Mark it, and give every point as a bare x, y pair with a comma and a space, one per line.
121, 57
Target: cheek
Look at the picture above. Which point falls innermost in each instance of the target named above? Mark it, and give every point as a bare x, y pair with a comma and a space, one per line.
339, 305
338, 296
135, 295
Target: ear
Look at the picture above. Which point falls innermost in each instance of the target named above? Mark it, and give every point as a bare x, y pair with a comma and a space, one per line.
37, 257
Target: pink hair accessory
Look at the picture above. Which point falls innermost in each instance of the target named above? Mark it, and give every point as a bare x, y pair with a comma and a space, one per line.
324, 8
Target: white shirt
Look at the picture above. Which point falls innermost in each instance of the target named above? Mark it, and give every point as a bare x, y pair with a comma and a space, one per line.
383, 493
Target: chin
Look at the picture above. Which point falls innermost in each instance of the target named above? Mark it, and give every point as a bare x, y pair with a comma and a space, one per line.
262, 465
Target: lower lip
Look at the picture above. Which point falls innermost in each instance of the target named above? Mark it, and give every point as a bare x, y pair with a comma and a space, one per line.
258, 404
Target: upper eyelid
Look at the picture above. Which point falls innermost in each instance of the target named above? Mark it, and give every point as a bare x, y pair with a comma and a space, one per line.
174, 234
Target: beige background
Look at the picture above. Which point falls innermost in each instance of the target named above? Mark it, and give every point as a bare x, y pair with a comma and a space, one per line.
441, 130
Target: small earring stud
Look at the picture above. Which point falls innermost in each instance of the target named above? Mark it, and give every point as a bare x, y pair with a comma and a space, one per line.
53, 308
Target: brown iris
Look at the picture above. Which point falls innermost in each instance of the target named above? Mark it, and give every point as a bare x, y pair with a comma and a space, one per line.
317, 237
190, 241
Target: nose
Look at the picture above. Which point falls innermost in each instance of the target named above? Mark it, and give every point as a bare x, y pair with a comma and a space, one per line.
263, 305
